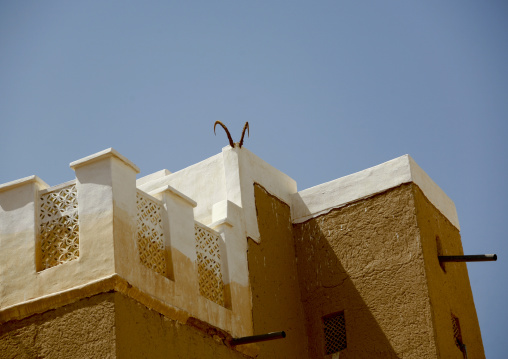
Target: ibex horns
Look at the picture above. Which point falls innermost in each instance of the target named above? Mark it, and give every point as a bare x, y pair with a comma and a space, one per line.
231, 143
245, 127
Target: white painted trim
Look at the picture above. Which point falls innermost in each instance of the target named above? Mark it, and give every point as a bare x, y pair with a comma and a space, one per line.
220, 222
171, 190
320, 199
22, 181
57, 187
109, 152
243, 169
434, 193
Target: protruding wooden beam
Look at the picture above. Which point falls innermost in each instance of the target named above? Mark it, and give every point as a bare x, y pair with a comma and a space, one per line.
258, 338
469, 258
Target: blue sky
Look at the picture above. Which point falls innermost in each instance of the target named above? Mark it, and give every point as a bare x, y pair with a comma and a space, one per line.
328, 87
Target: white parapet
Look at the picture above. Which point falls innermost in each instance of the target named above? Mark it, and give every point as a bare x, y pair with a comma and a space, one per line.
322, 198
63, 238
100, 232
243, 169
227, 176
18, 228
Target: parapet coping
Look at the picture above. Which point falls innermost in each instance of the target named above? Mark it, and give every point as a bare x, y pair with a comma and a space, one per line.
23, 181
169, 189
112, 282
109, 152
318, 200
58, 187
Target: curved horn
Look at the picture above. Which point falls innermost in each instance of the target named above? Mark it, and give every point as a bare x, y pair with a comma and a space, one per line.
231, 143
245, 127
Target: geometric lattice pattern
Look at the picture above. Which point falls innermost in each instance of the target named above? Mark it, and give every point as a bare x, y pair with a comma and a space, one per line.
211, 284
150, 233
335, 333
58, 229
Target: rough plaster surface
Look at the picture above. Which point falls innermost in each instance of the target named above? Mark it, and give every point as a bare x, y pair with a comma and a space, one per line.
85, 329
276, 301
449, 289
143, 333
110, 325
366, 259
376, 260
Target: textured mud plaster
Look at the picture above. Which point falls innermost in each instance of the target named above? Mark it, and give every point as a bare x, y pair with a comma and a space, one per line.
85, 329
276, 303
449, 289
108, 325
366, 259
144, 333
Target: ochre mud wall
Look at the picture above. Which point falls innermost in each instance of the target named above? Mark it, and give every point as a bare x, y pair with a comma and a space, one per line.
85, 329
144, 333
449, 287
276, 303
108, 325
366, 259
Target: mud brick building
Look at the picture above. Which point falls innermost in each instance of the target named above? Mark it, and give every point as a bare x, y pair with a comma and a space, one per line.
176, 265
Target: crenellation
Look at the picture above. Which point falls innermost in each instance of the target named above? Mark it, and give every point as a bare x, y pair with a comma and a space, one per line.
100, 225
230, 243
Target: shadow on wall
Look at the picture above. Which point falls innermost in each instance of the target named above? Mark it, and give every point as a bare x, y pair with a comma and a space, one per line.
16, 199
273, 275
360, 260
335, 292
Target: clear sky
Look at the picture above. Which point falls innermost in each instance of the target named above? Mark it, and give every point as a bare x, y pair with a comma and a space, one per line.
328, 87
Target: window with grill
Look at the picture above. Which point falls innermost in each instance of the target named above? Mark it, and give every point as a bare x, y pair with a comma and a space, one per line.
335, 333
457, 335
440, 253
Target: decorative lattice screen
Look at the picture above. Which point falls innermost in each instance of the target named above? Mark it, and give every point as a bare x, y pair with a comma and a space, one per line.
58, 229
335, 333
150, 233
211, 284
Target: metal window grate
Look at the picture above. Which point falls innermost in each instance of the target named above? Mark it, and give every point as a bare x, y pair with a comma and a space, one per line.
335, 333
457, 335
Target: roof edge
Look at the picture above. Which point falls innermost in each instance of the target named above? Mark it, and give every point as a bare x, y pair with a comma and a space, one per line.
322, 198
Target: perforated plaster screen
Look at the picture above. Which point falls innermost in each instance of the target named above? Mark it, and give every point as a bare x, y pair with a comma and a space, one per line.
150, 233
211, 284
335, 333
58, 229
